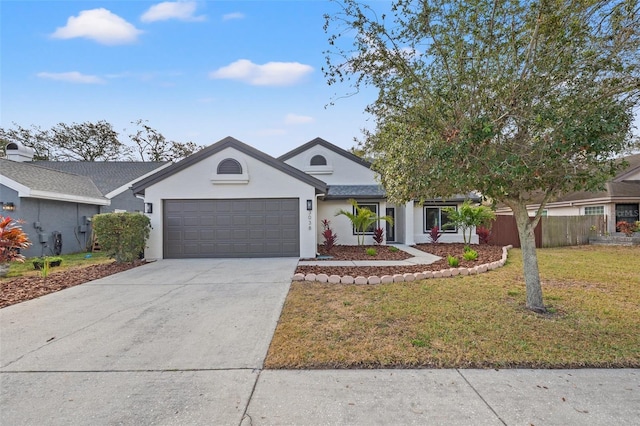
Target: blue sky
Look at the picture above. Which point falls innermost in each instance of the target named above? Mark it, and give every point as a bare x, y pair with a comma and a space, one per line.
196, 70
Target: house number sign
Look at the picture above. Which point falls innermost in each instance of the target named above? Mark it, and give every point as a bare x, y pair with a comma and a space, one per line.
309, 221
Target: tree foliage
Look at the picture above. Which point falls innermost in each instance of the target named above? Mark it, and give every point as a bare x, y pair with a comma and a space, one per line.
122, 236
519, 99
468, 217
97, 141
12, 240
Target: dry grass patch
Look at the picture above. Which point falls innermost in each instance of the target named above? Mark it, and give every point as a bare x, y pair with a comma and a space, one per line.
593, 296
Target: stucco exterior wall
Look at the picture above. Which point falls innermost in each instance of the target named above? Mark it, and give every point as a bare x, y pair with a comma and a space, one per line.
420, 236
338, 171
341, 224
64, 217
263, 181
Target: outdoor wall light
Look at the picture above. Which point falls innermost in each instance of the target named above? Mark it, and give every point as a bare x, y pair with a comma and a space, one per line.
148, 207
8, 207
309, 205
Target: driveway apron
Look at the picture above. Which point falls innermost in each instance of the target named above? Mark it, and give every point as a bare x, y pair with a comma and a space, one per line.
171, 342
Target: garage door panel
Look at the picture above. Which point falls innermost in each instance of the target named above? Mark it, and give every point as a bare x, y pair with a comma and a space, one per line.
231, 228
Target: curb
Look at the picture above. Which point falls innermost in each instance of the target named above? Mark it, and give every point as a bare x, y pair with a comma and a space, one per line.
400, 278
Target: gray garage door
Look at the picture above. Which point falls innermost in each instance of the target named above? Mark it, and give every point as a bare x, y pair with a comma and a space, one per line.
231, 228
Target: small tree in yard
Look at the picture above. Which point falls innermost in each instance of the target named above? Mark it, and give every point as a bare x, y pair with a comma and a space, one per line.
468, 217
362, 220
521, 100
122, 236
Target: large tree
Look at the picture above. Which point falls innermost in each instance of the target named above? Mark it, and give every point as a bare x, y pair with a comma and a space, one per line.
151, 145
519, 99
97, 141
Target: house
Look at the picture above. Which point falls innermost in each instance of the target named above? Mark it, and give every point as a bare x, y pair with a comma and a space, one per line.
618, 201
56, 200
232, 200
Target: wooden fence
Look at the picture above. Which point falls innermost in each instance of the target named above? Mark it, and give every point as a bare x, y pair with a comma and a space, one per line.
552, 231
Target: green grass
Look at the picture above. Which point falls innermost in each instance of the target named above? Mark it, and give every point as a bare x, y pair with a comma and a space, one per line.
592, 294
69, 261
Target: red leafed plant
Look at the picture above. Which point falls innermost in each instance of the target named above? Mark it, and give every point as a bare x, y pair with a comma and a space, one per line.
434, 234
329, 237
484, 234
378, 235
626, 228
12, 239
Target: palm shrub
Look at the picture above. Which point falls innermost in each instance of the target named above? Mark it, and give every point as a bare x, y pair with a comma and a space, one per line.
467, 217
122, 236
362, 219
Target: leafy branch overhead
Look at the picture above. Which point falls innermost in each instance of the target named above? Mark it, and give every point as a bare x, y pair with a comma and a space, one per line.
521, 100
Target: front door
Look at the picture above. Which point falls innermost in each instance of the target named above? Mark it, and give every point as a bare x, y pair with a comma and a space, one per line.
391, 230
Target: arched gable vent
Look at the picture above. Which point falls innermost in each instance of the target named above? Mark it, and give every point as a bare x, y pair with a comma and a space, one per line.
318, 160
229, 166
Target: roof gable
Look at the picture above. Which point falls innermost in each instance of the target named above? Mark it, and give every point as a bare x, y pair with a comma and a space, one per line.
319, 141
225, 143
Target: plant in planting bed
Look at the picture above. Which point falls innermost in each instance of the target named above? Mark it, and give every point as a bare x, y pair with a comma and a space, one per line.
12, 240
378, 235
434, 234
329, 236
484, 234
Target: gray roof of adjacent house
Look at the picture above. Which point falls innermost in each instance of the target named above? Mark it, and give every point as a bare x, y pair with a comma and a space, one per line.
343, 192
229, 142
107, 175
45, 182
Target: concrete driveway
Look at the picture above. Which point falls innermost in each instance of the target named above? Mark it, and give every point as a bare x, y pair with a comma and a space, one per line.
171, 342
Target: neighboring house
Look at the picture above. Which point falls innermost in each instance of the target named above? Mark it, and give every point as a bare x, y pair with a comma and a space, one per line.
56, 200
232, 200
618, 201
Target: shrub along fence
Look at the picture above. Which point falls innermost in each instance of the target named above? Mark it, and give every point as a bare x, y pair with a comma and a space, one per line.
552, 231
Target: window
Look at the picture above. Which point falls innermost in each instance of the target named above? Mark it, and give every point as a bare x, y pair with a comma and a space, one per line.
229, 166
318, 160
435, 216
627, 212
373, 207
593, 210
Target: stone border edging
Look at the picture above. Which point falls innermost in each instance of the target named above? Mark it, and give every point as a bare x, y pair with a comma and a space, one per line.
399, 278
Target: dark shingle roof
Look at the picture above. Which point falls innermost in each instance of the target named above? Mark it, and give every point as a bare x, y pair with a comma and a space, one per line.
338, 192
46, 180
107, 175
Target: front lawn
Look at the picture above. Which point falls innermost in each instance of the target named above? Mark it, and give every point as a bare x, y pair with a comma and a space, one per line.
593, 295
20, 269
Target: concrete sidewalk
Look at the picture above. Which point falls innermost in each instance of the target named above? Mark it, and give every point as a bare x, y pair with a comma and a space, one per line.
183, 343
419, 258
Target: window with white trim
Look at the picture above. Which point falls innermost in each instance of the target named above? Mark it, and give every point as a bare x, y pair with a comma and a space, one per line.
436, 216
318, 160
373, 207
593, 210
229, 166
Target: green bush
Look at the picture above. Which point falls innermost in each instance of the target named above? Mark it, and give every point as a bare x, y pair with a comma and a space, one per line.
122, 236
394, 249
453, 261
371, 251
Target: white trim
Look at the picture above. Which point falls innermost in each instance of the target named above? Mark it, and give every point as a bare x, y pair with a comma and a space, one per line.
223, 179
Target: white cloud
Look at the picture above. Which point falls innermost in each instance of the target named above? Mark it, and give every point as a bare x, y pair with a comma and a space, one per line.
269, 74
235, 15
180, 10
100, 25
71, 77
297, 119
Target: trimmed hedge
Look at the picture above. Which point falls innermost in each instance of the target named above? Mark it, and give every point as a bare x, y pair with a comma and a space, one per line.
122, 236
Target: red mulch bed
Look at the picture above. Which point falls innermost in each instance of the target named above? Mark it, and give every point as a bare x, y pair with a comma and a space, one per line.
19, 289
486, 254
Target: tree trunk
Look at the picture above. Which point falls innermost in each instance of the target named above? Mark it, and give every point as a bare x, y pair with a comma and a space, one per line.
526, 228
